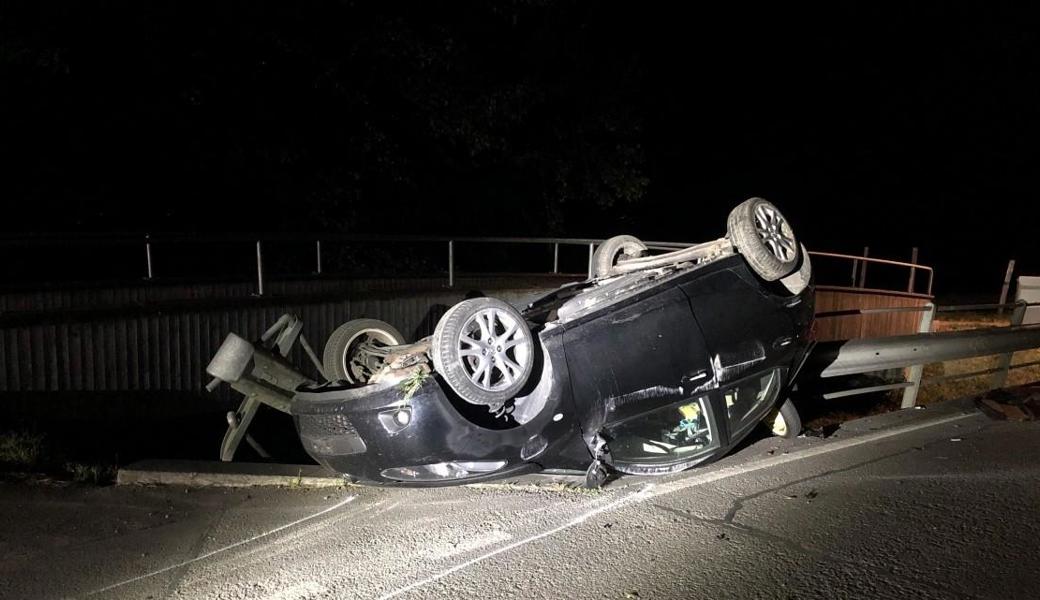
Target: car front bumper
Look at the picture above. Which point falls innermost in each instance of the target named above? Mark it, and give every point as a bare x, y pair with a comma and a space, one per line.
375, 435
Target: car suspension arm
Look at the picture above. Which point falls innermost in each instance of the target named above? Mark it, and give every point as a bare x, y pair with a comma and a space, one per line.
259, 372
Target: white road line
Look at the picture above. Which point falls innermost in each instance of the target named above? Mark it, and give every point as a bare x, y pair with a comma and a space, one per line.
346, 501
653, 491
834, 446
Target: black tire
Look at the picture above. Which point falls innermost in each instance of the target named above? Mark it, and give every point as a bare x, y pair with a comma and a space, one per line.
596, 475
614, 250
800, 278
787, 416
764, 237
339, 356
471, 372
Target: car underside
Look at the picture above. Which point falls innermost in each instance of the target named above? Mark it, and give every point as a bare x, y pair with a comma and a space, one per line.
656, 363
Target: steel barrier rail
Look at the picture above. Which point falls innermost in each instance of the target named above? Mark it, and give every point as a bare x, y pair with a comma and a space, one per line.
913, 266
853, 357
851, 312
980, 307
150, 240
842, 358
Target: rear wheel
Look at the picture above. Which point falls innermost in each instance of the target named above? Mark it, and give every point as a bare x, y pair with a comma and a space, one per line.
764, 237
785, 421
614, 250
484, 350
596, 475
799, 279
353, 351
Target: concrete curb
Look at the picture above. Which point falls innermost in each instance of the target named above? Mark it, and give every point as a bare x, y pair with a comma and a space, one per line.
201, 473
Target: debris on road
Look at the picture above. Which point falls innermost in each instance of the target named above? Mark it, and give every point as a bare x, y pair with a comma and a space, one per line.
1020, 403
823, 432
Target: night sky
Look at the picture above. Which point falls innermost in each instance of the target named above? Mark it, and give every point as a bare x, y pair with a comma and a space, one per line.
868, 124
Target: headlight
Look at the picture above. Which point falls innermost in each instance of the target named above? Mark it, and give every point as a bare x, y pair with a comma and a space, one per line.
444, 470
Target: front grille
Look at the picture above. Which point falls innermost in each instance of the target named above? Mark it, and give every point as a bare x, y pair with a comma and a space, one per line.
330, 435
322, 425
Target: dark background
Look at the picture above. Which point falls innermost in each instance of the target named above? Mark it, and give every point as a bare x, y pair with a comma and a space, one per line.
883, 125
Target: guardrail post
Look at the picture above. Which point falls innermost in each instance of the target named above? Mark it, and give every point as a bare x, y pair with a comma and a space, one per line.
592, 249
148, 254
317, 250
913, 271
1004, 361
451, 263
916, 371
1007, 285
556, 257
259, 270
863, 268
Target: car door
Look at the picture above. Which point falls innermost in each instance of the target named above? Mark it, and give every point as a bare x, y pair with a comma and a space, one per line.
635, 370
749, 333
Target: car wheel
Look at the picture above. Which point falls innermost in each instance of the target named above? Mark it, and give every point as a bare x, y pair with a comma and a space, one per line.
596, 475
785, 421
760, 233
799, 279
614, 250
348, 356
484, 350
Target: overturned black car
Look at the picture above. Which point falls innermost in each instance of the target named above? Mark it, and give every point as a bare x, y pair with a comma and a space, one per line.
655, 364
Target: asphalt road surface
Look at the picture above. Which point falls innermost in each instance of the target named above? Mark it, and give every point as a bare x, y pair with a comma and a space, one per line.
938, 503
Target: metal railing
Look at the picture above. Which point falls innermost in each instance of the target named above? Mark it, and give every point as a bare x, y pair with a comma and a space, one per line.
914, 351
859, 271
148, 242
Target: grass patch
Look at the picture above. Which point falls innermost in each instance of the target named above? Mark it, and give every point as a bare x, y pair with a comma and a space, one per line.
413, 383
21, 450
96, 474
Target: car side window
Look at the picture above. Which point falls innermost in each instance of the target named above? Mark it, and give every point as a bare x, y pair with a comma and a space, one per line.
747, 400
673, 433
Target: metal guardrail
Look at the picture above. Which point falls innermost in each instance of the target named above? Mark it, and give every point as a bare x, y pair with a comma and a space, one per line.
859, 270
146, 243
260, 239
853, 357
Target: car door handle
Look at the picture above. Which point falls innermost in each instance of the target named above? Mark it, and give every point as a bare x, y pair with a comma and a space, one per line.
694, 381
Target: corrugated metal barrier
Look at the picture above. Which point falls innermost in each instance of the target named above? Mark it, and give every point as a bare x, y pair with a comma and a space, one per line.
166, 346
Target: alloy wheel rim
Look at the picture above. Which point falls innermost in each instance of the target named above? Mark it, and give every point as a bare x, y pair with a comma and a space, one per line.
774, 231
493, 347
